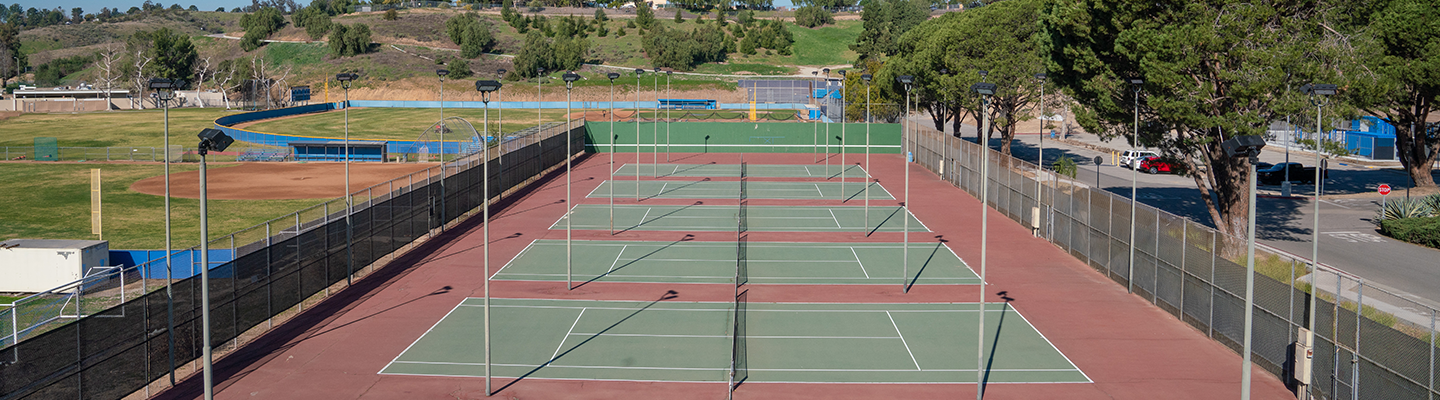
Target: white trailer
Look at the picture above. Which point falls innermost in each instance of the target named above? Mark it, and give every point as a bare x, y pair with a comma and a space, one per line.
37, 265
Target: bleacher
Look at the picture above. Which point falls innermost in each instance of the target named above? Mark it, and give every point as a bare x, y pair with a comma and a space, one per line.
264, 155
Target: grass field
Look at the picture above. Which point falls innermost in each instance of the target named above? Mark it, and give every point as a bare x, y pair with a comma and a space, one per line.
827, 45
52, 201
141, 128
397, 123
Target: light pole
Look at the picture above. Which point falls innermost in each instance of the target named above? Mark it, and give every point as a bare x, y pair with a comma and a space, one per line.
1319, 96
815, 140
613, 149
500, 109
570, 79
827, 124
655, 135
539, 78
441, 73
1136, 84
667, 115
164, 89
1247, 147
638, 73
210, 139
985, 90
866, 78
485, 87
345, 79
1040, 160
909, 82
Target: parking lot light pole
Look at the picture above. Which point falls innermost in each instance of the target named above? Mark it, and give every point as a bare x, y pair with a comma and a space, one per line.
1247, 147
570, 78
1319, 96
485, 87
164, 89
985, 90
909, 82
210, 140
1136, 84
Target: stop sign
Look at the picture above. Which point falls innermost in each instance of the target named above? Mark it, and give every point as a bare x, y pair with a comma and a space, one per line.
1384, 189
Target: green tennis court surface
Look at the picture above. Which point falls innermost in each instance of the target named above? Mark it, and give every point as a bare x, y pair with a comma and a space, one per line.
722, 218
731, 190
751, 170
714, 262
692, 342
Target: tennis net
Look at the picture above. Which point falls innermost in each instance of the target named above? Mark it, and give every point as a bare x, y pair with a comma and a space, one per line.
738, 368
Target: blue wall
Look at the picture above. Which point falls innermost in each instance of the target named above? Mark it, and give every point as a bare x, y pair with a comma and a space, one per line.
186, 262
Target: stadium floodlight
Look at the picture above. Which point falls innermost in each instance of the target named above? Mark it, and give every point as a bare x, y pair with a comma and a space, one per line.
485, 87
442, 72
210, 140
345, 80
167, 86
985, 90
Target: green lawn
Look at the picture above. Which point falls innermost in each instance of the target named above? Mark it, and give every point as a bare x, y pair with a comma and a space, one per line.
733, 68
52, 201
397, 123
827, 45
140, 128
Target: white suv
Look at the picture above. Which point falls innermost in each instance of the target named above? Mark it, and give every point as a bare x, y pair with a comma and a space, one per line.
1131, 158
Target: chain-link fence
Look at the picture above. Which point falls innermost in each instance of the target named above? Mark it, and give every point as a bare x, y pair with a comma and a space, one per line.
1369, 344
114, 349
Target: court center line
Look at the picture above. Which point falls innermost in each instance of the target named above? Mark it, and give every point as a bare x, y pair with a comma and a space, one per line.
617, 260
902, 340
832, 216
567, 335
862, 265
729, 336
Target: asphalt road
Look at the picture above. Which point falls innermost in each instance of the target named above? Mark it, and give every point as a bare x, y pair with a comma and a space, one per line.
1348, 241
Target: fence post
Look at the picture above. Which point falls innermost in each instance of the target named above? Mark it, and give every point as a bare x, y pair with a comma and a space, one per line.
1355, 355
269, 281
1210, 325
1335, 334
1430, 395
1184, 247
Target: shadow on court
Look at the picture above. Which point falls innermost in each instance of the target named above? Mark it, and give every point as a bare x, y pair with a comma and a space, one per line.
686, 238
993, 345
672, 212
939, 242
882, 222
662, 193
697, 166
669, 294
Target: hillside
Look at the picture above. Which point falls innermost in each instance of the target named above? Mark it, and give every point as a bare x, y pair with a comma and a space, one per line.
406, 50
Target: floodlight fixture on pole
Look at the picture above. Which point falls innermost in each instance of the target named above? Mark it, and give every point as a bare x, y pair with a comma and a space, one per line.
613, 148
1319, 97
167, 85
1247, 147
909, 82
569, 78
1136, 84
485, 87
985, 90
638, 73
211, 139
345, 80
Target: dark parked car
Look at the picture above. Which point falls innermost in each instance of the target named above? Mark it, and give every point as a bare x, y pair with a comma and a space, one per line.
1275, 174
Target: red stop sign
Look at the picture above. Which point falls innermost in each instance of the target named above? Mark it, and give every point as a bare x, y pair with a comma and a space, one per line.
1384, 189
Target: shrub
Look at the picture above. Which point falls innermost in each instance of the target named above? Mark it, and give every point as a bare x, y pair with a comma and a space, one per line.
600, 15
644, 16
346, 41
679, 19
459, 68
260, 25
391, 15
1065, 166
1423, 231
812, 16
535, 5
477, 40
1405, 208
684, 50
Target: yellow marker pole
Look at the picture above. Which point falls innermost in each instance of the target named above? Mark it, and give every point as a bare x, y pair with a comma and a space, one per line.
753, 96
95, 227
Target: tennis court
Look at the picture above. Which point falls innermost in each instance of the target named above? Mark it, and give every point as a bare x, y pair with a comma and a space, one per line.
751, 170
629, 217
685, 261
674, 341
706, 189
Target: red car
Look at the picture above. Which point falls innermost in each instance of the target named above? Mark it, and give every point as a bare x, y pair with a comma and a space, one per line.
1155, 165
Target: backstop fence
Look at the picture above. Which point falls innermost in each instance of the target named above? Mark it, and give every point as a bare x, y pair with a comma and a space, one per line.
1369, 343
279, 265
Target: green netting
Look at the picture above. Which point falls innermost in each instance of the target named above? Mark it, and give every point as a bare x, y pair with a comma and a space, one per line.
46, 149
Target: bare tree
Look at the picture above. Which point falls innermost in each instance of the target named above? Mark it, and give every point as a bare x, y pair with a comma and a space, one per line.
202, 71
109, 71
225, 86
139, 84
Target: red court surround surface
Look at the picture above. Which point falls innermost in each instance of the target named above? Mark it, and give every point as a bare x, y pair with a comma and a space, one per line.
1128, 347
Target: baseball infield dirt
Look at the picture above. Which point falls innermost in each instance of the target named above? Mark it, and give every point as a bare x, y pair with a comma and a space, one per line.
272, 181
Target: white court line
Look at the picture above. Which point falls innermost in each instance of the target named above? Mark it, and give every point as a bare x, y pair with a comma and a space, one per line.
822, 193
662, 189
727, 261
567, 335
512, 260
882, 188
837, 220
962, 261
807, 170
617, 260
755, 280
902, 340
857, 261
726, 309
672, 172
597, 188
422, 336
1052, 345
729, 336
775, 245
643, 217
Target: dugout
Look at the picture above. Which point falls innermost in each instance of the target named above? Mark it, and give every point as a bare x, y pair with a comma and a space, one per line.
689, 104
334, 150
